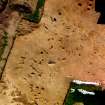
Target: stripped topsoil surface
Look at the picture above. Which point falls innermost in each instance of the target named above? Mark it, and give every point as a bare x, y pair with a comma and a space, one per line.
68, 44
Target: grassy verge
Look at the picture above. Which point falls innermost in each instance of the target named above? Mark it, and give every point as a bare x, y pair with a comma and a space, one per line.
4, 43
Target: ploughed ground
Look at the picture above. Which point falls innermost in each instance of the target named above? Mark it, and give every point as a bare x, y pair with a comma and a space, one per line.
67, 44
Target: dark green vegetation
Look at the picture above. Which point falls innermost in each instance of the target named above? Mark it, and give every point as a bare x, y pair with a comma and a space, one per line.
75, 96
38, 13
4, 43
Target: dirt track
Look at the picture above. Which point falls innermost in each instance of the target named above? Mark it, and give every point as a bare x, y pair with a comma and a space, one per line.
68, 45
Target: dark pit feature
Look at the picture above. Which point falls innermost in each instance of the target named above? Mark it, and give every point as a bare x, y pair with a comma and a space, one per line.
79, 4
90, 4
59, 13
88, 9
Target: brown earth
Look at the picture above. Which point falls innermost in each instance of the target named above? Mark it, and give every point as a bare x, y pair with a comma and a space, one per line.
68, 44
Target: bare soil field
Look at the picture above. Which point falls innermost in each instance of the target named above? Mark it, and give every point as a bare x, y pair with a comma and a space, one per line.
67, 44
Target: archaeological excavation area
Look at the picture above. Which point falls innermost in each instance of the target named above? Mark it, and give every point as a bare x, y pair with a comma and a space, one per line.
43, 49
